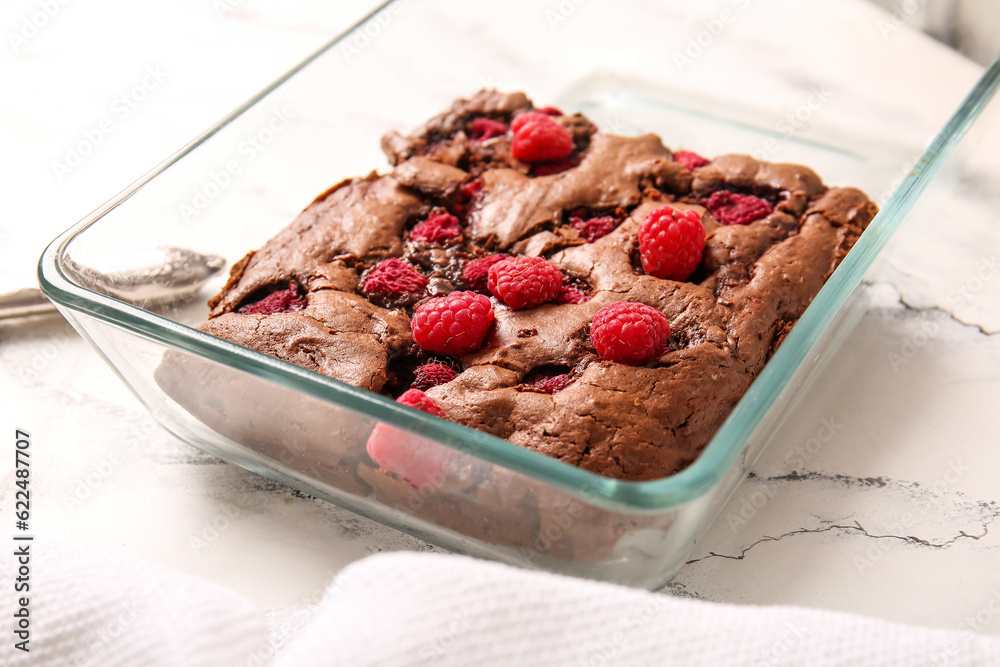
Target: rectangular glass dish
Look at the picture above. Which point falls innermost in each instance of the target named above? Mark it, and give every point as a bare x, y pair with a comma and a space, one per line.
243, 180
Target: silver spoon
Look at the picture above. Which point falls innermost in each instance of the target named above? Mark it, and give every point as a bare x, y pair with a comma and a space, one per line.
162, 276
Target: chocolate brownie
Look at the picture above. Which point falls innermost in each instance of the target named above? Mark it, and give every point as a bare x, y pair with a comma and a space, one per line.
322, 295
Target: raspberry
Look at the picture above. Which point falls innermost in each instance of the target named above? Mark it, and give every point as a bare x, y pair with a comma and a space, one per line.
570, 294
415, 398
730, 208
454, 324
431, 375
486, 128
550, 384
462, 197
528, 117
671, 243
550, 111
476, 273
556, 167
524, 282
282, 301
689, 159
437, 228
470, 189
393, 277
538, 138
629, 333
423, 463
595, 228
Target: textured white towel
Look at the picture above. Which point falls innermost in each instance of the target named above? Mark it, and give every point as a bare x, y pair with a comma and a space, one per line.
427, 609
114, 610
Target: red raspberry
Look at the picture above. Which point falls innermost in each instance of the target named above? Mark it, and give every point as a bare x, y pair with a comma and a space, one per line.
470, 189
550, 384
476, 273
570, 294
282, 301
437, 228
629, 333
550, 111
524, 282
461, 200
415, 398
393, 277
486, 128
540, 139
454, 324
421, 462
557, 167
730, 208
595, 228
671, 243
689, 159
431, 375
528, 117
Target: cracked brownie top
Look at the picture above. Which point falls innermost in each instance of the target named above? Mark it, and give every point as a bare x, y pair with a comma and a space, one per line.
337, 290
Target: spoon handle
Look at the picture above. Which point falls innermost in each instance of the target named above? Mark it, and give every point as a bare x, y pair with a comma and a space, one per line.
24, 302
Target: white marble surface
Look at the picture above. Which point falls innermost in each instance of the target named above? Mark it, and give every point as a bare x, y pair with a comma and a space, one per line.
891, 517
971, 26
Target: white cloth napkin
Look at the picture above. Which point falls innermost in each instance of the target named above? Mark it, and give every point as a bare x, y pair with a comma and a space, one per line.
428, 609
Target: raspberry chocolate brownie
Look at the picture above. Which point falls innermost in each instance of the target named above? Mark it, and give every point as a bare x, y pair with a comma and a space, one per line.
597, 298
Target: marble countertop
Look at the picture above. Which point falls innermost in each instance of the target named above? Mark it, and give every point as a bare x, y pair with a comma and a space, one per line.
880, 496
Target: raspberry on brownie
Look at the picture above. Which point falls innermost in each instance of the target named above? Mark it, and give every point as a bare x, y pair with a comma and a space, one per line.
522, 119
393, 276
570, 294
477, 272
690, 159
671, 243
484, 128
524, 282
629, 333
454, 324
281, 301
731, 208
437, 228
601, 299
431, 375
538, 138
594, 228
550, 384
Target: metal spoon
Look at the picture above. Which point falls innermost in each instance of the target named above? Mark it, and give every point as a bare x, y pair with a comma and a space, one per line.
24, 303
162, 276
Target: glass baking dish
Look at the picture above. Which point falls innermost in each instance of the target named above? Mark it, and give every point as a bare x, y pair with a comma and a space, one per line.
246, 177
